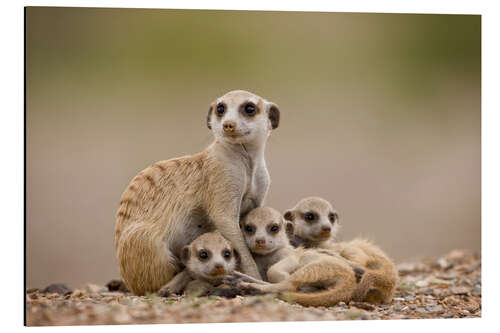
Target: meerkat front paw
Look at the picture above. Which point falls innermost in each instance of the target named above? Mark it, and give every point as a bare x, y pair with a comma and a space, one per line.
249, 286
164, 292
231, 280
227, 291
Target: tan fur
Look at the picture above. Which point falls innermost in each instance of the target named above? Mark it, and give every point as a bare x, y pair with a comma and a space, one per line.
381, 276
201, 275
167, 205
308, 268
311, 277
267, 247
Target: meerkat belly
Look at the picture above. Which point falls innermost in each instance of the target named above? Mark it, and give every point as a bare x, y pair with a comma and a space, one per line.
250, 197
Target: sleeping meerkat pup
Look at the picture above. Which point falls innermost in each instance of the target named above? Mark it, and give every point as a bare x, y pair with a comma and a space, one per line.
208, 259
170, 203
311, 277
311, 217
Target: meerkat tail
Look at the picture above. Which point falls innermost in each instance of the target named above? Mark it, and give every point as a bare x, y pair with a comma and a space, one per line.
340, 292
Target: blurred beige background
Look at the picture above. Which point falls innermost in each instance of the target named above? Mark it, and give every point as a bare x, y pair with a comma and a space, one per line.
380, 115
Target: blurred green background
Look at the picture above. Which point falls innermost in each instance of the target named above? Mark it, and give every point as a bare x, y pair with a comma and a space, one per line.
380, 114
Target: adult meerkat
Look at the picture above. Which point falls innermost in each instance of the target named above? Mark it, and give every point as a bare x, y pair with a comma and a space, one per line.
170, 203
311, 277
208, 259
316, 224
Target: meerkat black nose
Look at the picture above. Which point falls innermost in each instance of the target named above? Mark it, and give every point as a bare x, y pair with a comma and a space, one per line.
218, 265
260, 241
229, 126
326, 228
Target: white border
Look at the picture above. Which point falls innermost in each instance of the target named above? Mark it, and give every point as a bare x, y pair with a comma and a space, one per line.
11, 132
380, 6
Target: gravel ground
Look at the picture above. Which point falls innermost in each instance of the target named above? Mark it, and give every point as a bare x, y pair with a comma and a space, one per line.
446, 287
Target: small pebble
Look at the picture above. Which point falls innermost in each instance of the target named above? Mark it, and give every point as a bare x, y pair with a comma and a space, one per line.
428, 292
434, 308
460, 290
442, 263
397, 307
422, 283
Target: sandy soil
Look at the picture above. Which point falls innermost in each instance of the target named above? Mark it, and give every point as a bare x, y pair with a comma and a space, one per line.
445, 287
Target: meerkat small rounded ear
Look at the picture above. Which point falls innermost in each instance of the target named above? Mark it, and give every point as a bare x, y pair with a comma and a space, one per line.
289, 228
237, 256
185, 254
274, 115
209, 116
289, 215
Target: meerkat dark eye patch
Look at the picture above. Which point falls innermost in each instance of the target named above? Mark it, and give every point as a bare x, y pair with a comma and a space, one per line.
274, 228
203, 254
310, 216
221, 108
249, 109
226, 254
249, 229
333, 217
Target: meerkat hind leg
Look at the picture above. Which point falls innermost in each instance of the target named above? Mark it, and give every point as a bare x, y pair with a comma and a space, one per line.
285, 285
281, 270
176, 285
279, 275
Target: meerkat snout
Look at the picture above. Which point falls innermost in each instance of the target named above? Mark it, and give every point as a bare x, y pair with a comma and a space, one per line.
229, 126
260, 241
325, 230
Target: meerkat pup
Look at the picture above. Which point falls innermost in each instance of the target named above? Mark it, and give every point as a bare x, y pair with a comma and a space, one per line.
170, 203
316, 224
267, 235
208, 259
310, 277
